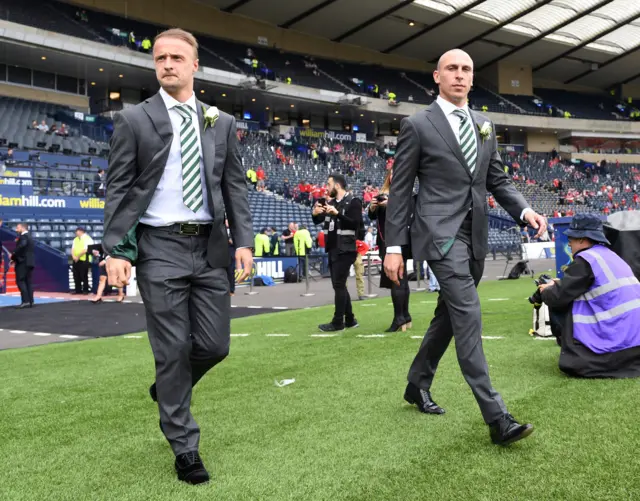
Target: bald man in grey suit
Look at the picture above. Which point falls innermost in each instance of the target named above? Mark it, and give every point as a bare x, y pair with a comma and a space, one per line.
174, 169
453, 153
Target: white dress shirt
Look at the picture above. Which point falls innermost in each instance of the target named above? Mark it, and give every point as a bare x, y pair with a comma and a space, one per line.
454, 121
167, 206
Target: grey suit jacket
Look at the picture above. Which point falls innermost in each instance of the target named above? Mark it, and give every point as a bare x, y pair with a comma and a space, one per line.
428, 149
140, 147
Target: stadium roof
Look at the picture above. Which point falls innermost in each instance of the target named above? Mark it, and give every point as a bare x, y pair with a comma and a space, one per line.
589, 42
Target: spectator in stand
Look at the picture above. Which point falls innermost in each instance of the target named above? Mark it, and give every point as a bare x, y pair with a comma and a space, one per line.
252, 177
260, 176
287, 236
369, 238
81, 261
99, 184
275, 242
34, 125
286, 189
43, 126
304, 190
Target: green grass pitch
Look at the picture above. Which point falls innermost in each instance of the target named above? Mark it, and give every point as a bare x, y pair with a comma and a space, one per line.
76, 422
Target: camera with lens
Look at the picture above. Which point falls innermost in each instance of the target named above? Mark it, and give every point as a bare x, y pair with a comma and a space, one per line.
536, 297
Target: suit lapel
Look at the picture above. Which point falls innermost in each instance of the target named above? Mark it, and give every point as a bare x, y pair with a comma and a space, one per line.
478, 120
207, 139
157, 111
438, 119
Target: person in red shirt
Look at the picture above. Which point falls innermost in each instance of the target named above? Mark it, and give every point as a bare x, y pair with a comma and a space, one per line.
260, 173
606, 210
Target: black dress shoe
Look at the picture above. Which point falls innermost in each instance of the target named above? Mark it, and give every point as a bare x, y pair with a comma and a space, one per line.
350, 324
507, 430
23, 306
330, 327
190, 468
422, 398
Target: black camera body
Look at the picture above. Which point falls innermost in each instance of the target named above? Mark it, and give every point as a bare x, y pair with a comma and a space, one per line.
536, 297
381, 198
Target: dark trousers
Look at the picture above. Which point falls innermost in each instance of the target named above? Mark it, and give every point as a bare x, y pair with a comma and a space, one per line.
558, 319
23, 279
400, 298
81, 276
458, 316
231, 270
339, 266
188, 320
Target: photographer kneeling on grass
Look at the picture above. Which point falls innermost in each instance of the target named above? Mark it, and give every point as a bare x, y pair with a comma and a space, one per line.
595, 308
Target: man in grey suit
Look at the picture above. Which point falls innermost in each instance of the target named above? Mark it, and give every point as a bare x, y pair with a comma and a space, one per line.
453, 153
174, 169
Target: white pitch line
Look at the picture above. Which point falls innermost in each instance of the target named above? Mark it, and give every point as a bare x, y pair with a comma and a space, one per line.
371, 335
277, 335
41, 334
428, 302
549, 338
18, 332
417, 337
492, 337
132, 337
280, 308
324, 335
368, 304
239, 335
499, 299
69, 336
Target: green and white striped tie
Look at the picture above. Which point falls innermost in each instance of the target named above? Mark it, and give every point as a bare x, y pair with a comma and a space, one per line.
467, 139
190, 150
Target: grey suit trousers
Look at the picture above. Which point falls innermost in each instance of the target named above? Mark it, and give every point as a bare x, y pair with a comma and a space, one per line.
458, 315
188, 319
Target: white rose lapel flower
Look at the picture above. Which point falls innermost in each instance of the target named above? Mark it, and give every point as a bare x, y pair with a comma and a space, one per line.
485, 131
211, 115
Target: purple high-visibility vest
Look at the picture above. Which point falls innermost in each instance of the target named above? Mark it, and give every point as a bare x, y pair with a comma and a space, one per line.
607, 317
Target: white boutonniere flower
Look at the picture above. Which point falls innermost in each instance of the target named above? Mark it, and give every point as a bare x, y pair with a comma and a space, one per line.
210, 116
485, 131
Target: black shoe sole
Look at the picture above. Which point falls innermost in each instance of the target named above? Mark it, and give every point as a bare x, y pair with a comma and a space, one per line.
525, 433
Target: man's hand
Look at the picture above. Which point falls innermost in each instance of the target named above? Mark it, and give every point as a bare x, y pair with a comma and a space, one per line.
383, 203
75, 259
331, 210
394, 267
244, 262
317, 210
373, 205
536, 221
118, 272
542, 287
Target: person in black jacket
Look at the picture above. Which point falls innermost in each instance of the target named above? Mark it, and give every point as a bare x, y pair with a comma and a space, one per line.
399, 293
24, 259
342, 217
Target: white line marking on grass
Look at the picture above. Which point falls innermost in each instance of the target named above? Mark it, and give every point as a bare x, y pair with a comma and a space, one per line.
499, 299
492, 337
41, 334
501, 276
369, 304
417, 337
277, 335
18, 332
371, 335
69, 336
239, 335
132, 337
280, 308
550, 338
428, 302
324, 335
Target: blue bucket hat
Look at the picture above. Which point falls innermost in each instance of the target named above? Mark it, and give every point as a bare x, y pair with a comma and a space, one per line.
587, 226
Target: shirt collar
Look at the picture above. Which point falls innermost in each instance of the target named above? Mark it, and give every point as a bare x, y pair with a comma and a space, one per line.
449, 108
171, 102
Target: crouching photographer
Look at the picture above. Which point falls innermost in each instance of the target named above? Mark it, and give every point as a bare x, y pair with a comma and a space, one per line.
595, 308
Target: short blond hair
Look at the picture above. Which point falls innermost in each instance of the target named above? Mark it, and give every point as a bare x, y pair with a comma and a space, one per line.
182, 35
